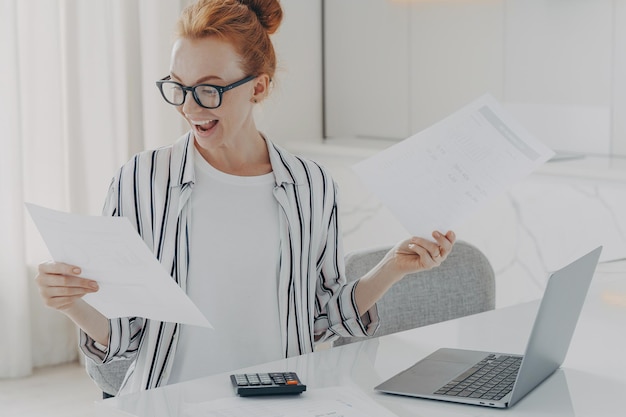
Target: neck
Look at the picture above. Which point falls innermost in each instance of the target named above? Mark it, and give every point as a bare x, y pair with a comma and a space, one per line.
247, 157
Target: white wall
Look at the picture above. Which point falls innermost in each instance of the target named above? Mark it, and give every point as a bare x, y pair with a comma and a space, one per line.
294, 110
560, 66
619, 80
558, 70
367, 68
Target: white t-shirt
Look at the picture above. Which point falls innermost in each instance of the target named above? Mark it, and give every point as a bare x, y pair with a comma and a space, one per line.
233, 274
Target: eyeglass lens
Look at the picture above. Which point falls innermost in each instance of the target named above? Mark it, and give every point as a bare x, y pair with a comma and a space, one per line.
207, 96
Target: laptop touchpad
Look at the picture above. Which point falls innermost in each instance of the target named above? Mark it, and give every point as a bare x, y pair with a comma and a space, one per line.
424, 377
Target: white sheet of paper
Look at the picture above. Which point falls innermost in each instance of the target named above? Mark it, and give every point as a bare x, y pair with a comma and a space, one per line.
437, 178
107, 249
333, 401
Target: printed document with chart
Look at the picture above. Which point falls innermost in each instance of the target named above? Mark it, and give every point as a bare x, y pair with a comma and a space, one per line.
437, 178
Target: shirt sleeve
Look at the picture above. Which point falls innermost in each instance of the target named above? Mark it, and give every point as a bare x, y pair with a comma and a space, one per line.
124, 336
336, 309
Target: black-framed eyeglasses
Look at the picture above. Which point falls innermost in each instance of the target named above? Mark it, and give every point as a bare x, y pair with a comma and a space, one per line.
206, 95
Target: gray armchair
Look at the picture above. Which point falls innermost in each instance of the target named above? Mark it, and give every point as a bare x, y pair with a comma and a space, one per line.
463, 284
108, 377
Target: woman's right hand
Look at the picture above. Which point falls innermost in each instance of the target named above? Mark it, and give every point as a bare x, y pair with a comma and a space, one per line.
60, 286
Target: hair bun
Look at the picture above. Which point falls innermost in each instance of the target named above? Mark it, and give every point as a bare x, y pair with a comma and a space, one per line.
269, 13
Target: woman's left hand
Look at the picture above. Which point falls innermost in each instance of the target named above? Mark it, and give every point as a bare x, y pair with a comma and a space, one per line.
410, 255
418, 254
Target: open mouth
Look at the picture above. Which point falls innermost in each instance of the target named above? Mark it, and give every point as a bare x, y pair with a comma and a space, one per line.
205, 126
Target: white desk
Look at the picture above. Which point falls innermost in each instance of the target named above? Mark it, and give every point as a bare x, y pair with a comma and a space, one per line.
592, 381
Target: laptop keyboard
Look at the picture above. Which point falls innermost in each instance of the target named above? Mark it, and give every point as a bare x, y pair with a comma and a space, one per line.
490, 379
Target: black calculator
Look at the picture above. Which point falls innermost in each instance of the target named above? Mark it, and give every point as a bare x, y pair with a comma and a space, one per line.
270, 383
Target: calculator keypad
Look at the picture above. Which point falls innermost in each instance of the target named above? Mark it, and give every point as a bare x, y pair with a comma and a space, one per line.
267, 383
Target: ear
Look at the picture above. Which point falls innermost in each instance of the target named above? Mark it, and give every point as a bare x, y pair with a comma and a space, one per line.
261, 88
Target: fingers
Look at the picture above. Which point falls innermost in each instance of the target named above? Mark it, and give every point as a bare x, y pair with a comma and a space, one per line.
425, 247
59, 286
428, 251
445, 243
433, 253
58, 268
61, 302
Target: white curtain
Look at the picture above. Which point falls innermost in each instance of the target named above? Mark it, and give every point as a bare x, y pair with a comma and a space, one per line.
77, 99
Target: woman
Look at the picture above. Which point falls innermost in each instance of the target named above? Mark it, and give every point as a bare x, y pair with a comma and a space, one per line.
248, 230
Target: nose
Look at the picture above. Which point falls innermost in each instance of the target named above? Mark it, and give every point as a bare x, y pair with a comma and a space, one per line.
190, 105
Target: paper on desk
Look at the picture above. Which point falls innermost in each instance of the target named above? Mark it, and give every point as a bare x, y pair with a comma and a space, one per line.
107, 249
333, 401
439, 177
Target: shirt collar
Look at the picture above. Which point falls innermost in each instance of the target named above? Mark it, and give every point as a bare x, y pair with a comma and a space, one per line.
181, 165
182, 171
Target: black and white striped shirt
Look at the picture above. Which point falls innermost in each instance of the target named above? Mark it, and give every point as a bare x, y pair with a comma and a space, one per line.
315, 303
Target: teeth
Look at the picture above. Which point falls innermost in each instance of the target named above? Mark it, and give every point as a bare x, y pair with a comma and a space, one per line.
202, 122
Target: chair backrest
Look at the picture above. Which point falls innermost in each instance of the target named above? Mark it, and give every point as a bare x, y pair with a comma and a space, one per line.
108, 377
463, 284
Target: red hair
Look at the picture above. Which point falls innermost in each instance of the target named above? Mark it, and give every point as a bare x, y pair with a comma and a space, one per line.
246, 24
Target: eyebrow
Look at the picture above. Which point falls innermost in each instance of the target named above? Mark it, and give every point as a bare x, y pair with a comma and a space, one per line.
199, 81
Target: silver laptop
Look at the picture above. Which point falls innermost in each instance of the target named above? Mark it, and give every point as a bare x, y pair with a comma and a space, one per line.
496, 379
